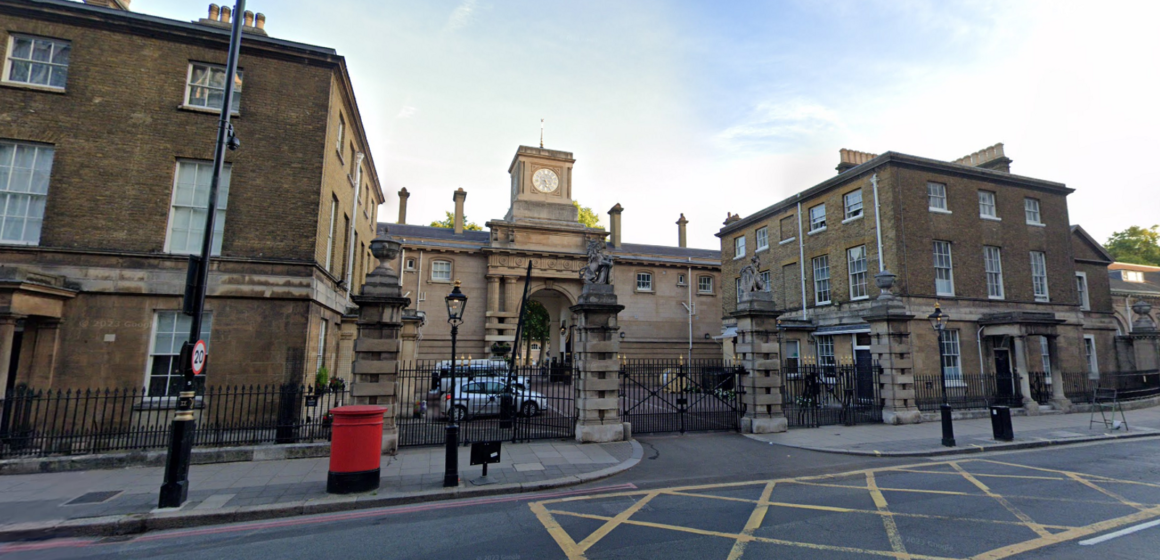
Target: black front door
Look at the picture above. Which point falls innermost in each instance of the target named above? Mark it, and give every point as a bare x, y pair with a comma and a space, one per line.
1004, 380
865, 385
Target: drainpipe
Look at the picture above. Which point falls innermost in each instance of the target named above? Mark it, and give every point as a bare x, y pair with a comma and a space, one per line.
691, 308
358, 159
802, 261
402, 261
979, 341
877, 222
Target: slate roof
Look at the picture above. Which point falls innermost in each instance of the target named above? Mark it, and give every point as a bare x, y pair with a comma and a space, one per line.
1151, 283
408, 232
665, 251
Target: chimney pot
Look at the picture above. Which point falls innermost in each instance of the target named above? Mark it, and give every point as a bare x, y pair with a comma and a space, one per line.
214, 12
682, 239
226, 11
249, 18
403, 196
614, 224
260, 21
459, 196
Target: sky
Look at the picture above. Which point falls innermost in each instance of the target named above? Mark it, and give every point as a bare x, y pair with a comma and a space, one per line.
706, 108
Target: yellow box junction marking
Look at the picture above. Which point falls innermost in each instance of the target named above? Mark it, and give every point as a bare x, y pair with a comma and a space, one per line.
547, 511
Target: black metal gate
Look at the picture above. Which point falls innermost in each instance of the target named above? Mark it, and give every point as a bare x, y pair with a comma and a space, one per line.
818, 395
544, 401
676, 396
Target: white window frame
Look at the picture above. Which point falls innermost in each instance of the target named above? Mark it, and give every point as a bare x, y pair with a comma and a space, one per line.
943, 266
737, 288
179, 335
1045, 358
1132, 276
53, 67
793, 352
817, 223
950, 351
1081, 286
440, 278
219, 224
320, 360
704, 284
936, 197
1039, 276
993, 268
738, 247
858, 269
765, 276
824, 349
853, 210
409, 264
821, 279
681, 279
644, 281
1031, 211
330, 233
762, 235
25, 203
341, 137
237, 99
1093, 362
988, 208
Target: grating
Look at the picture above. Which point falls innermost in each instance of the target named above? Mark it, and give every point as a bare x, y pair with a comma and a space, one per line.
93, 498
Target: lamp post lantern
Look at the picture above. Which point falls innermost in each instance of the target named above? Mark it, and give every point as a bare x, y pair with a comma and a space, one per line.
938, 321
456, 301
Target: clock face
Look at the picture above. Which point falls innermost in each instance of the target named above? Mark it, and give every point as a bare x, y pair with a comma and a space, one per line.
545, 181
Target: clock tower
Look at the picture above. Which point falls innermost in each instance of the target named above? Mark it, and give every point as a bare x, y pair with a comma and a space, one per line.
541, 186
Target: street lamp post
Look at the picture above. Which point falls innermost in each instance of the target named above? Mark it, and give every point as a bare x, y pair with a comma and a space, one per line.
456, 301
938, 320
175, 489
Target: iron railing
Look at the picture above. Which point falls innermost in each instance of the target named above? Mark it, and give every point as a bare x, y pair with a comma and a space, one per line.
1078, 387
966, 391
543, 400
827, 394
38, 423
1040, 384
664, 395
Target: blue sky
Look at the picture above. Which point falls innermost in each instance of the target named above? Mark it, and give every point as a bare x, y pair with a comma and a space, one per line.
714, 107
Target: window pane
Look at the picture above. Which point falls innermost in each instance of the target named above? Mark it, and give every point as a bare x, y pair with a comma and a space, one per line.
856, 258
190, 201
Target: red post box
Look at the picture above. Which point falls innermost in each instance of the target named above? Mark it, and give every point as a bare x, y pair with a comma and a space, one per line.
356, 448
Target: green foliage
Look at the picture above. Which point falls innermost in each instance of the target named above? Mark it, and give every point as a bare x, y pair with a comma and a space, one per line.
322, 378
449, 222
536, 321
1136, 245
587, 216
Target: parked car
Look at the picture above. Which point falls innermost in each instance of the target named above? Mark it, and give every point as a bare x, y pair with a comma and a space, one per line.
470, 370
482, 397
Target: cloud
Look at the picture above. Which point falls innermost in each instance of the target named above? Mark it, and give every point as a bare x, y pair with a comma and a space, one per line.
461, 15
406, 112
775, 125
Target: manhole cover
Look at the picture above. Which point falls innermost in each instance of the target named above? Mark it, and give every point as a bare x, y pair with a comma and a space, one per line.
93, 498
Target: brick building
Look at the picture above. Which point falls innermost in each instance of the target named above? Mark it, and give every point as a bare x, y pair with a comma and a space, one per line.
656, 284
1025, 290
107, 131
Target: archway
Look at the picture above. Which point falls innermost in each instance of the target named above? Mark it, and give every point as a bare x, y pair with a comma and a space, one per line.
556, 303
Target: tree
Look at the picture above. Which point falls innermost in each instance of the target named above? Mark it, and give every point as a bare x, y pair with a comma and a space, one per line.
587, 216
537, 323
449, 222
1136, 245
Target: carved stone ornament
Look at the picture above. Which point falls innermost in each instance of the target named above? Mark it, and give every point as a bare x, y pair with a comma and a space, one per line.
599, 267
885, 282
750, 278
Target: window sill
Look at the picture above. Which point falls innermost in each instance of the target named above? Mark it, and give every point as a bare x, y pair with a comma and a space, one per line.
20, 243
853, 219
996, 298
341, 159
1037, 224
942, 294
784, 241
33, 87
435, 281
939, 211
644, 291
766, 248
707, 294
739, 257
1042, 300
823, 303
206, 110
860, 298
819, 230
991, 218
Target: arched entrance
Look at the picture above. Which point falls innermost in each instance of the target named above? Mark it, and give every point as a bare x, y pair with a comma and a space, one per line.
556, 302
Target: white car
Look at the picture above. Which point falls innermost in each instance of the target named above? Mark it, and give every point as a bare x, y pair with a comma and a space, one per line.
471, 371
482, 397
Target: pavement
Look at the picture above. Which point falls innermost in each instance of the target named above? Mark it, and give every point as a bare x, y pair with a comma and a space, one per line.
971, 436
123, 501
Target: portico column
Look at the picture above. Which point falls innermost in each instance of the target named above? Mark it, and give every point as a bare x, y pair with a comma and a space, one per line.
510, 298
598, 385
1029, 403
493, 293
379, 342
1059, 400
45, 352
7, 340
758, 349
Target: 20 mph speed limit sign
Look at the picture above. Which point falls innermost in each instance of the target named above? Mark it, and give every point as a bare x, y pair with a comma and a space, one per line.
198, 357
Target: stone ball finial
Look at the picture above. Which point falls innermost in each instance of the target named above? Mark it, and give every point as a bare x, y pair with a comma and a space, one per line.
1141, 307
385, 248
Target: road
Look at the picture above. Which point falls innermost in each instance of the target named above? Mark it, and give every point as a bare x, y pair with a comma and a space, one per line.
724, 496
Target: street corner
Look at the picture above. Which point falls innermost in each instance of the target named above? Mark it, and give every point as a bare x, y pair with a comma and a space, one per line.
974, 508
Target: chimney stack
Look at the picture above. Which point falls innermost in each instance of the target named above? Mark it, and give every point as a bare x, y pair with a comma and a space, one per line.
849, 159
226, 11
614, 224
730, 217
988, 158
260, 21
215, 12
682, 240
403, 196
249, 18
459, 196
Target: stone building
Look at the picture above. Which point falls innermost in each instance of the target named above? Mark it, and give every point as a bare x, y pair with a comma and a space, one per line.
107, 132
1131, 283
1025, 290
656, 284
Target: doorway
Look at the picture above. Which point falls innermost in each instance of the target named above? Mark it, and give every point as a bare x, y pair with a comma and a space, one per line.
1005, 390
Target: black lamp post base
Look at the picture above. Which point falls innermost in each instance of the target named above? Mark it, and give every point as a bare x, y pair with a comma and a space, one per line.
451, 470
176, 487
948, 429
